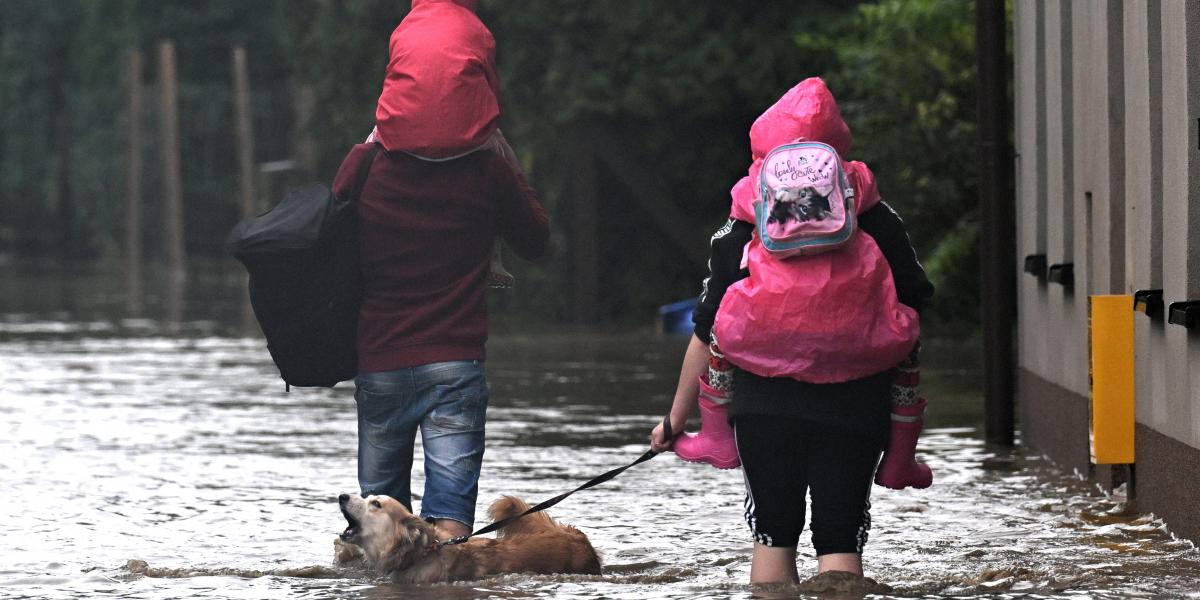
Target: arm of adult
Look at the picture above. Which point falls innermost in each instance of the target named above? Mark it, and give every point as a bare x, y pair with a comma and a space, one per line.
725, 258
724, 268
884, 225
695, 364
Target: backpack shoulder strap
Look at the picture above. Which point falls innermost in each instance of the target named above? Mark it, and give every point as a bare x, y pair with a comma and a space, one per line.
364, 170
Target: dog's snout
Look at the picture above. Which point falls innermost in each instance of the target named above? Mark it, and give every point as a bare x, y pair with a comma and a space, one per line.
344, 498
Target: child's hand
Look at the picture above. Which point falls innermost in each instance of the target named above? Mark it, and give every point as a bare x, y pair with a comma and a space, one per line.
498, 276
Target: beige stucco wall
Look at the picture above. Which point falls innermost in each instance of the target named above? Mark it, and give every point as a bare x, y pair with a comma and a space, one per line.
1143, 188
1108, 178
1028, 82
1180, 418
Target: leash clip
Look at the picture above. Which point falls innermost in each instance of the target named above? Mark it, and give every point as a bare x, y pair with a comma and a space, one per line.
454, 541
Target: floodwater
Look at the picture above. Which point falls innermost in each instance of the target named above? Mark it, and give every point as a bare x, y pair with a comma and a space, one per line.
158, 456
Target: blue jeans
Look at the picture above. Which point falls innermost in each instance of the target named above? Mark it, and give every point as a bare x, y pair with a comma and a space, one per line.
448, 402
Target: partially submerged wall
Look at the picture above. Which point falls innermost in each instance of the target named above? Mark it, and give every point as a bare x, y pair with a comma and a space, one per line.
1108, 194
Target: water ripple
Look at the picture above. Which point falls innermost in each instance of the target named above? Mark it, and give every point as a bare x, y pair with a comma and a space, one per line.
184, 453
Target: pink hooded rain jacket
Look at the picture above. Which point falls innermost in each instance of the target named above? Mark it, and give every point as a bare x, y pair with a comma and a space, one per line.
825, 318
441, 94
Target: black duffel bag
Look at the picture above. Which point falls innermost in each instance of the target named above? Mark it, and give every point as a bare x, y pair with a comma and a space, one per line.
305, 282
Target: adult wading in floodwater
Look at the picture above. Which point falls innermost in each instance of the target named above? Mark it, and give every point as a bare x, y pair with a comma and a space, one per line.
428, 213
793, 358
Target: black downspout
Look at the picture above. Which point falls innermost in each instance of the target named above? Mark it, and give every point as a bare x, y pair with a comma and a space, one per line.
997, 232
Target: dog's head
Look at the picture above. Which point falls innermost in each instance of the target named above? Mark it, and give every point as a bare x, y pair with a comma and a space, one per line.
391, 537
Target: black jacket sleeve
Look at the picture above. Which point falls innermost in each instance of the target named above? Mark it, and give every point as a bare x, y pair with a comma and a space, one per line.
913, 287
724, 267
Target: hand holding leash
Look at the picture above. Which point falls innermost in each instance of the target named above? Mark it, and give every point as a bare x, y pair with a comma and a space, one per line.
662, 437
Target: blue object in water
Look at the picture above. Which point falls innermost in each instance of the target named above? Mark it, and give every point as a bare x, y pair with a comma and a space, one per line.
676, 317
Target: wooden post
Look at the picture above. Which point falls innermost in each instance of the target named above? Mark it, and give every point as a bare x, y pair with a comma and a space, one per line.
65, 202
245, 132
306, 146
244, 121
585, 260
174, 300
133, 186
60, 104
172, 186
996, 203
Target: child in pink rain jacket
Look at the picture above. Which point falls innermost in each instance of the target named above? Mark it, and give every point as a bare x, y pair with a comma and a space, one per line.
794, 359
441, 93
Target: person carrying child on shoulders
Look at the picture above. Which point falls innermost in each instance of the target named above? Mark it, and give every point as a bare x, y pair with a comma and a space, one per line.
800, 329
434, 201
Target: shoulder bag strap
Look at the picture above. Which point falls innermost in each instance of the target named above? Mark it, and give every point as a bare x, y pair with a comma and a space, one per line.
364, 170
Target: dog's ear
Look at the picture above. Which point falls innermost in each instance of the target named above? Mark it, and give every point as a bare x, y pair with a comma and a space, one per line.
416, 529
413, 536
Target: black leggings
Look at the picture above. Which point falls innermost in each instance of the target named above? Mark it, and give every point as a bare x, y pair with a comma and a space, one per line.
783, 458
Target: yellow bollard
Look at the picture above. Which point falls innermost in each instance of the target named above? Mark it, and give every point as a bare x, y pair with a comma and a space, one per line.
1110, 338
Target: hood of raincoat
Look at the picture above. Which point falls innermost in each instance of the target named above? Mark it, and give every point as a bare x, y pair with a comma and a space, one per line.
441, 94
806, 112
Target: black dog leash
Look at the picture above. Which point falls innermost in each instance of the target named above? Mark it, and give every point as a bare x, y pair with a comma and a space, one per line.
599, 479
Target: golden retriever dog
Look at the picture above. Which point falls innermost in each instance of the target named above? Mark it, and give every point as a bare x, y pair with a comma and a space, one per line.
398, 542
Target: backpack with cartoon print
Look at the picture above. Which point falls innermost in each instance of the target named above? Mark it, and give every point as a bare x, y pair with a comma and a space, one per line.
806, 204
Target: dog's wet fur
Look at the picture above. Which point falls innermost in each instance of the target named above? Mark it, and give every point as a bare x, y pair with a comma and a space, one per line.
396, 542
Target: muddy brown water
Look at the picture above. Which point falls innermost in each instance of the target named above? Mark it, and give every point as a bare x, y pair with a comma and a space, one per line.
159, 457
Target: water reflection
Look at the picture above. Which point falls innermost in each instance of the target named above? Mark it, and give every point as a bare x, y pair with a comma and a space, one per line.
212, 294
125, 439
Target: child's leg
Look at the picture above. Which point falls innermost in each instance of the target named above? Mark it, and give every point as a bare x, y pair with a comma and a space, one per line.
772, 450
714, 443
840, 467
720, 371
908, 377
899, 468
773, 565
841, 561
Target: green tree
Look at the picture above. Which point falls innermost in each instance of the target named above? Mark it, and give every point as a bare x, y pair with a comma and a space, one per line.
906, 83
678, 82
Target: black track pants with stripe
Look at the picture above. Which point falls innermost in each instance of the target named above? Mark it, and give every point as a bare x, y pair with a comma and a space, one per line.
783, 458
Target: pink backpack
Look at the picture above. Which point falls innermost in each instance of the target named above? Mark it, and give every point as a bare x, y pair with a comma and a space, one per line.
806, 202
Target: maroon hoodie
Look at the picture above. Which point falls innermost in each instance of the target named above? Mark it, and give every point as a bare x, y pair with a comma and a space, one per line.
426, 231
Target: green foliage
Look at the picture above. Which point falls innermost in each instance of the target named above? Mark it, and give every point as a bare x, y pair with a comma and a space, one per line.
678, 82
906, 84
954, 266
664, 75
68, 59
339, 50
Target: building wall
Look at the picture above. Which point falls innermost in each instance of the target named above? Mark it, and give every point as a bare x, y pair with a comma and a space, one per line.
1108, 179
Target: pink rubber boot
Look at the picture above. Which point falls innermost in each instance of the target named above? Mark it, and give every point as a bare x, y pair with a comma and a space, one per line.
899, 468
714, 443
